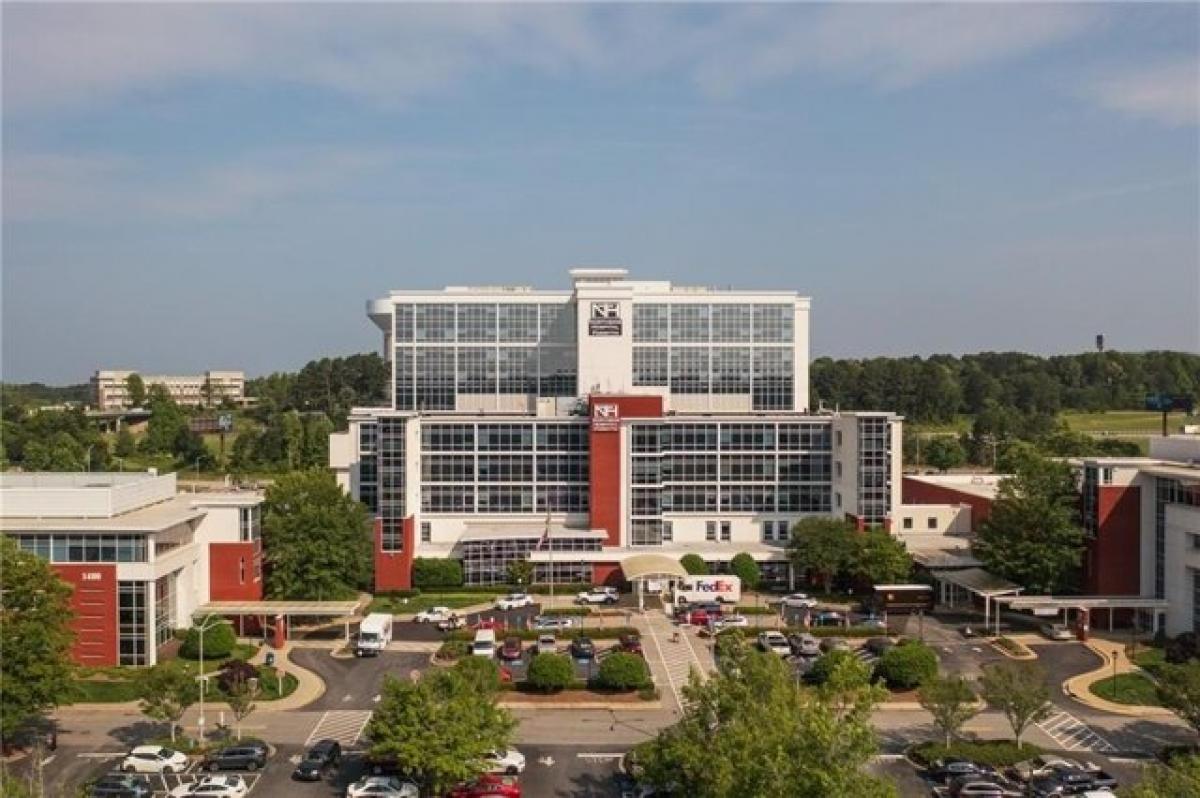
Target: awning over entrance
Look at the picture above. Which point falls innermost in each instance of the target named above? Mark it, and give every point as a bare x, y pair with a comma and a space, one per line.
651, 566
273, 608
980, 582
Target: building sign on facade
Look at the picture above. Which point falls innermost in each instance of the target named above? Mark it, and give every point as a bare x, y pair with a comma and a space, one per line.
605, 319
606, 417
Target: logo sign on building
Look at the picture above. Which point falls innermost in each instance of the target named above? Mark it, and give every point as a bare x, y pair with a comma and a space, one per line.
1165, 403
606, 417
605, 319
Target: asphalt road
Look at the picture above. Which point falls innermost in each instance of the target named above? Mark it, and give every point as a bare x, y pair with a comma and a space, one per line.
354, 683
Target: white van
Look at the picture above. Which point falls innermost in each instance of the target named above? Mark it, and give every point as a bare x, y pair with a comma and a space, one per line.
485, 643
724, 588
374, 634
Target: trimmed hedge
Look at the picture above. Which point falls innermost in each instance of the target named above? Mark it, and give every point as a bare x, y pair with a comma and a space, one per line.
997, 753
550, 673
219, 641
454, 649
437, 572
568, 612
820, 631
608, 633
622, 671
907, 665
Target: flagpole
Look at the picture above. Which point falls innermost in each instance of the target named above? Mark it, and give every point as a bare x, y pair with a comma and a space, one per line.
550, 557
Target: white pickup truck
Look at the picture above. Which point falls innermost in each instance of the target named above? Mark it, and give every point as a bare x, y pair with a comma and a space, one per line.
432, 615
598, 595
514, 601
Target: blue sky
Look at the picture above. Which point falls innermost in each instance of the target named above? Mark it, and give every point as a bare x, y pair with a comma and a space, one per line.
224, 186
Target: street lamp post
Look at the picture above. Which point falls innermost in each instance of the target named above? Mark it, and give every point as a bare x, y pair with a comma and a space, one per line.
210, 622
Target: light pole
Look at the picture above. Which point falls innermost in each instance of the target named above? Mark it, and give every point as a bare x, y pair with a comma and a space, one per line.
89, 457
209, 622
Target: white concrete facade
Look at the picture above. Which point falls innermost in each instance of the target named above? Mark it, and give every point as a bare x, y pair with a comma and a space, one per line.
110, 390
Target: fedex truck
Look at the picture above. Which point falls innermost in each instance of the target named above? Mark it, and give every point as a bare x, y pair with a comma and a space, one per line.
724, 588
374, 634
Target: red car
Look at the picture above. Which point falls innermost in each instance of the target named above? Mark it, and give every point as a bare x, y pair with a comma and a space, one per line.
489, 623
630, 644
489, 785
511, 650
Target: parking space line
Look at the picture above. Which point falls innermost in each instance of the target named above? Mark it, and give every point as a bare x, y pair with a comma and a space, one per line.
1073, 734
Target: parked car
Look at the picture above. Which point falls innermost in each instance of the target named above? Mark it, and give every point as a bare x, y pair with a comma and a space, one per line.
804, 645
432, 615
213, 787
495, 624
798, 601
583, 648
489, 785
154, 759
1057, 631
700, 617
979, 787
872, 622
774, 642
630, 644
878, 645
382, 787
511, 649
829, 618
1043, 765
555, 622
514, 601
1070, 782
320, 757
731, 622
945, 770
455, 621
546, 644
121, 785
511, 762
834, 644
598, 595
235, 757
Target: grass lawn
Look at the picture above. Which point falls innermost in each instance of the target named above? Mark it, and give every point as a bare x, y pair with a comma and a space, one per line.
105, 692
426, 600
1130, 688
1136, 421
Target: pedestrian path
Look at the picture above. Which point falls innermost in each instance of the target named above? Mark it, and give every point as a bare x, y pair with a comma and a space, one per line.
1073, 734
676, 658
343, 725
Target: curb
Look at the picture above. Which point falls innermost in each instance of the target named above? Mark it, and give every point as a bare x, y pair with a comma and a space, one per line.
1078, 689
641, 706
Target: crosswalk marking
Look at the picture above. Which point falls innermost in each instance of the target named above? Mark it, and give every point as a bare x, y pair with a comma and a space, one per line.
1073, 734
343, 725
678, 658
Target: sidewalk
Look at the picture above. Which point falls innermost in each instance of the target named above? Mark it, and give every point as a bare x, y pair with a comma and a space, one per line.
1079, 687
309, 686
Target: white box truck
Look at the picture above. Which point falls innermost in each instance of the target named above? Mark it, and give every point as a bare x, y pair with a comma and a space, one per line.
724, 588
374, 634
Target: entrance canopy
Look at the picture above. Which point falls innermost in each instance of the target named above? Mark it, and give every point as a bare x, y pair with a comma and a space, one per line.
273, 608
652, 566
980, 582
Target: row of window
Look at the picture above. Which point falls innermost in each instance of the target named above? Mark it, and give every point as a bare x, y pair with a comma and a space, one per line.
706, 437
704, 323
702, 370
504, 468
431, 378
504, 498
60, 547
483, 322
504, 437
485, 562
731, 498
731, 468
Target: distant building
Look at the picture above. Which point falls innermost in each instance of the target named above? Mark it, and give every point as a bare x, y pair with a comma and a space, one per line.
975, 492
110, 390
141, 557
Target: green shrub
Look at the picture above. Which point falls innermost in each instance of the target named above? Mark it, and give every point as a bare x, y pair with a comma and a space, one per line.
233, 672
906, 666
481, 672
604, 633
745, 568
648, 692
435, 572
997, 753
551, 672
694, 564
219, 641
573, 612
622, 671
825, 664
454, 649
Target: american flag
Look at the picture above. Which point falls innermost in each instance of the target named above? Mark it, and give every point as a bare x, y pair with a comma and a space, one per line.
544, 540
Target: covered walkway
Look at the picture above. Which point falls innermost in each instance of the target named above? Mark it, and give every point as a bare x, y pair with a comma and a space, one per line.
961, 584
1085, 605
641, 568
281, 612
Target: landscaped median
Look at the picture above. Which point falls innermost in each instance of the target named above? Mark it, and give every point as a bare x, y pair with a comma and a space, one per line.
1126, 689
1013, 649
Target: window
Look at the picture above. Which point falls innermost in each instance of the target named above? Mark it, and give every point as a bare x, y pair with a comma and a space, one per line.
838, 499
250, 523
476, 370
651, 324
241, 570
131, 629
650, 365
773, 323
931, 522
689, 324
731, 323
519, 324
518, 369
668, 531
839, 439
731, 370
477, 323
1106, 476
768, 531
908, 522
710, 531
434, 323
726, 531
426, 532
689, 370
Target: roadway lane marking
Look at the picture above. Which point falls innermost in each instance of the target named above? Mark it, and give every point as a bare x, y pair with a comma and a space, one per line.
101, 755
600, 757
667, 668
1073, 734
343, 725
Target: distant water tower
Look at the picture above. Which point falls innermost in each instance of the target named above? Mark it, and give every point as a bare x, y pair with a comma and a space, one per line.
1100, 342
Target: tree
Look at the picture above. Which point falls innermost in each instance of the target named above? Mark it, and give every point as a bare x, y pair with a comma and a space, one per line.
240, 695
907, 665
35, 637
944, 452
317, 429
435, 572
439, 728
550, 672
623, 671
951, 702
694, 565
481, 672
317, 539
219, 640
166, 693
821, 547
878, 558
136, 389
189, 447
166, 421
1032, 535
126, 446
750, 730
832, 661
292, 429
1018, 689
744, 567
1180, 776
520, 573
1179, 691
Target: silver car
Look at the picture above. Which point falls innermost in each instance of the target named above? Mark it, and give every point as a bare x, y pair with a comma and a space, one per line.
1057, 631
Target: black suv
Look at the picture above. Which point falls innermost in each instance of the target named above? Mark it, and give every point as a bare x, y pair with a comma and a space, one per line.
121, 785
236, 757
583, 648
323, 755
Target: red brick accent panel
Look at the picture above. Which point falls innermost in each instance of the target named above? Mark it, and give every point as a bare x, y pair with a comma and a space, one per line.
1112, 563
605, 444
916, 492
393, 569
94, 603
607, 573
233, 570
